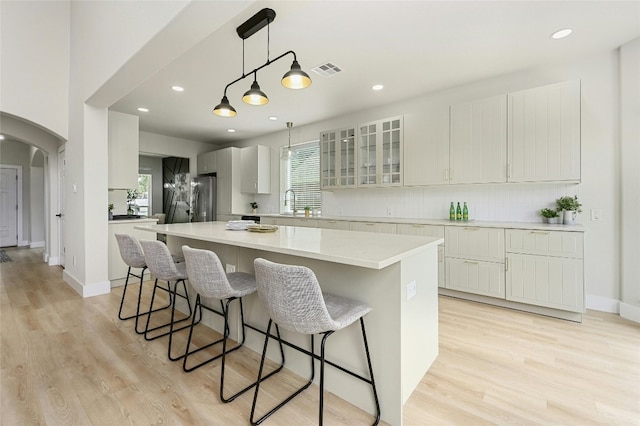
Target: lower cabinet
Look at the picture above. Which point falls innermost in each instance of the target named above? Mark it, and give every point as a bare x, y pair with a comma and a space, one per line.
334, 224
441, 268
383, 228
545, 268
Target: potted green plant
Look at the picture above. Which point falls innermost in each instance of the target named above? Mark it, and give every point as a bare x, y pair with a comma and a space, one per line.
549, 215
307, 211
570, 208
254, 207
110, 211
132, 195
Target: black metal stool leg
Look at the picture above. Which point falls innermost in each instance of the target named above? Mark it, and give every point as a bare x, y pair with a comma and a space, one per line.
373, 382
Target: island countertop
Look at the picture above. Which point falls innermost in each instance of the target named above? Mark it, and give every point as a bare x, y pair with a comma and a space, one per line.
364, 249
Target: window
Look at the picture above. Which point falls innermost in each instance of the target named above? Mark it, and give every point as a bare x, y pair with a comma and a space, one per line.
301, 173
143, 202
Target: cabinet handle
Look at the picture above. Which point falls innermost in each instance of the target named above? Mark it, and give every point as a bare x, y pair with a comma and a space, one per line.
418, 226
508, 170
441, 256
450, 174
446, 175
332, 221
471, 262
507, 263
471, 229
370, 224
540, 232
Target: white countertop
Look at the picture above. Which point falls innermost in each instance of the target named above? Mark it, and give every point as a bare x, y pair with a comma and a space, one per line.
141, 220
442, 222
366, 249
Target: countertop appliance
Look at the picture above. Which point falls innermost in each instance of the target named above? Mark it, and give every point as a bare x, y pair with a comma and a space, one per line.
203, 199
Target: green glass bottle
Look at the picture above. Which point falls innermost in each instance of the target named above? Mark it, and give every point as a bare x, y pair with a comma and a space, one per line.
452, 212
465, 212
458, 212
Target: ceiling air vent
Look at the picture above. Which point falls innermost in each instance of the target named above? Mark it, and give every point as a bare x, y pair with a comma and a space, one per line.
326, 70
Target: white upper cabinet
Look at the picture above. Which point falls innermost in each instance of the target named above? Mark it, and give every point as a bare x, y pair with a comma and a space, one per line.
426, 148
338, 159
256, 169
123, 137
544, 133
380, 153
478, 141
206, 163
228, 197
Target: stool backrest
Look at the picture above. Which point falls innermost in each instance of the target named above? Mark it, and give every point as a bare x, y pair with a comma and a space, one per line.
292, 297
130, 251
159, 260
206, 273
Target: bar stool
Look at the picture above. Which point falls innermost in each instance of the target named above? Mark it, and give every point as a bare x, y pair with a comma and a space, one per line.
164, 268
208, 278
133, 257
292, 297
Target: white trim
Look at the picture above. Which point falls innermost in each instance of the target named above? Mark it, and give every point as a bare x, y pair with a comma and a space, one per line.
36, 244
24, 243
88, 290
630, 312
19, 241
52, 260
603, 304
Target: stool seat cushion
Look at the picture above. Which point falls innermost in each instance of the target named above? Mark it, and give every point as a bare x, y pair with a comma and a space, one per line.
160, 262
242, 283
344, 311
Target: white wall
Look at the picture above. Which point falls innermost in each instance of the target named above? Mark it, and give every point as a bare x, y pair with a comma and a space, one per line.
37, 214
600, 168
630, 159
168, 146
35, 62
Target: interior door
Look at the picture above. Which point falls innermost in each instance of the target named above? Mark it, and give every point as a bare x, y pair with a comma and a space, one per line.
61, 202
8, 207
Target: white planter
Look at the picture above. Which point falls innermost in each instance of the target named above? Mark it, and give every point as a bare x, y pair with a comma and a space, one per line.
570, 217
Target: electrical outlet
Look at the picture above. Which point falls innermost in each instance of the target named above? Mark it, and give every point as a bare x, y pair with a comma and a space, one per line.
74, 260
596, 214
389, 211
411, 290
230, 268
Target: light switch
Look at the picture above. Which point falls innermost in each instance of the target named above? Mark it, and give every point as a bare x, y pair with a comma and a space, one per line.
411, 290
596, 214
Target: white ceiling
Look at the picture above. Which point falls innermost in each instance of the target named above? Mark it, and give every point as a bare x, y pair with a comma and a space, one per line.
411, 47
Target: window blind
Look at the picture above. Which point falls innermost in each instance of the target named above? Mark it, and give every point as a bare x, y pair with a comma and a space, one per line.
302, 175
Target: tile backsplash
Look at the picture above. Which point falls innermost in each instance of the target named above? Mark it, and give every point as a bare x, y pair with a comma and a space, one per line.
491, 202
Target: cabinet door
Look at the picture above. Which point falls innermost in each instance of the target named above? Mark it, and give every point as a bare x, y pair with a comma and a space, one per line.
328, 148
347, 158
441, 267
256, 169
334, 224
485, 278
368, 154
391, 150
475, 243
546, 281
479, 141
426, 148
544, 133
206, 163
228, 197
123, 137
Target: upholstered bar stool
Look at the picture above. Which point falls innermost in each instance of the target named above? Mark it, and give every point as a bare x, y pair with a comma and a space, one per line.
133, 257
294, 301
208, 278
163, 268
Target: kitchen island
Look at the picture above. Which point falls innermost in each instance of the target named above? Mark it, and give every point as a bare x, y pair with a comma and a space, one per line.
395, 274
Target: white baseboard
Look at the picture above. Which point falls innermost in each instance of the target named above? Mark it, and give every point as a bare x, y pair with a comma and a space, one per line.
53, 260
630, 312
603, 304
87, 290
23, 243
36, 244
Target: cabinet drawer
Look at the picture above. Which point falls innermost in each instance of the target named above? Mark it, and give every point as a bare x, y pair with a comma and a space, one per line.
545, 243
422, 230
334, 224
485, 278
546, 281
383, 228
475, 243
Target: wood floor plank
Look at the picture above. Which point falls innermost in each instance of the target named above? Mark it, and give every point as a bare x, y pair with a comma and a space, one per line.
69, 360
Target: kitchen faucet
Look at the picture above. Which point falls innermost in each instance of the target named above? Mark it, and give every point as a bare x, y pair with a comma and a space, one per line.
294, 199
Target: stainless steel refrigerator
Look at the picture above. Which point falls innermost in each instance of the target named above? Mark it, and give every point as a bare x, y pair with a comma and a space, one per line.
203, 199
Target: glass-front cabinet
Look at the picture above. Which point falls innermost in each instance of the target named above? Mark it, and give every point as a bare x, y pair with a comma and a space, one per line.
380, 152
338, 159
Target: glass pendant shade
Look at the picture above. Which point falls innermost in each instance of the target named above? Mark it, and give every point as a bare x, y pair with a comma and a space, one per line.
286, 153
224, 109
295, 78
255, 96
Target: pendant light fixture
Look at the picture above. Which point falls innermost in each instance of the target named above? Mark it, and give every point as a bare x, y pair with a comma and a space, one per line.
286, 153
295, 78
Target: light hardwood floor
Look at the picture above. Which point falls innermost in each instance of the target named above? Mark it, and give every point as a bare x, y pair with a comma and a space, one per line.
68, 360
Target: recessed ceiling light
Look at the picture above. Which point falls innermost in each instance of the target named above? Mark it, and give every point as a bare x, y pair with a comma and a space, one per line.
231, 130
142, 109
561, 33
177, 88
377, 87
273, 118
